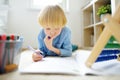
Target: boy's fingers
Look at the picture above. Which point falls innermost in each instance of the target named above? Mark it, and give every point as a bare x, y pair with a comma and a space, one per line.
37, 51
38, 56
38, 59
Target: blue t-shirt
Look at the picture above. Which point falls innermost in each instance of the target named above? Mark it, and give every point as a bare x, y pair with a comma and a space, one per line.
61, 42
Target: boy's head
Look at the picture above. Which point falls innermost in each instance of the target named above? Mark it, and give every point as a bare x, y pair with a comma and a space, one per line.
52, 16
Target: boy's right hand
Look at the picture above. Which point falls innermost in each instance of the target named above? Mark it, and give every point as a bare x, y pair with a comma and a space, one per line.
36, 56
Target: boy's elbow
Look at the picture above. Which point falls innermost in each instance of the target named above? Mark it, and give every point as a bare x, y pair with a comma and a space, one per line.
69, 54
66, 53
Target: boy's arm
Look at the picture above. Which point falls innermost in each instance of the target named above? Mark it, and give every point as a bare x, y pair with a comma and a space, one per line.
40, 42
66, 48
65, 51
55, 50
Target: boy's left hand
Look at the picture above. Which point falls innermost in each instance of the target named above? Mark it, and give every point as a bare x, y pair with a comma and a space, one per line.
48, 42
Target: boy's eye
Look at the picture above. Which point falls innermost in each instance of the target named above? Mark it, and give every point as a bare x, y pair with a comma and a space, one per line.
47, 28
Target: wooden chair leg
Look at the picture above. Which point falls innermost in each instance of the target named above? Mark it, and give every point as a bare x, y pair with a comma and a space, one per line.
104, 37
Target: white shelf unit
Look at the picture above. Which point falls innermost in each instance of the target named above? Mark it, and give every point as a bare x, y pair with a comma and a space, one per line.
92, 25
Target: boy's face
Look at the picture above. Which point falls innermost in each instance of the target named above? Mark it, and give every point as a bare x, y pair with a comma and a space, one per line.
52, 32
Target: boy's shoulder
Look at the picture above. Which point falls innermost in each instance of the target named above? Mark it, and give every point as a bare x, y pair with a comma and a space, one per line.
41, 33
66, 29
66, 32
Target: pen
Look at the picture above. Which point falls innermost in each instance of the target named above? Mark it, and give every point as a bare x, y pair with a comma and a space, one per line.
30, 48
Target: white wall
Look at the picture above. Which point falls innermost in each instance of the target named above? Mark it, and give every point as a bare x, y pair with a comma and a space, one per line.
3, 18
22, 20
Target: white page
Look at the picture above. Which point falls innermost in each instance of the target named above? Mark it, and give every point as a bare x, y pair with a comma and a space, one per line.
81, 57
109, 67
66, 65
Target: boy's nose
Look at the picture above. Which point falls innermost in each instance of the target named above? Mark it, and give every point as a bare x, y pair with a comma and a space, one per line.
52, 33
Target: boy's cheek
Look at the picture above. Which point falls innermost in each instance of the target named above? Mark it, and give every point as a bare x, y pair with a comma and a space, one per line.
47, 32
57, 33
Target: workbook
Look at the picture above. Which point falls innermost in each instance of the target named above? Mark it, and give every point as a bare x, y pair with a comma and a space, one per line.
74, 65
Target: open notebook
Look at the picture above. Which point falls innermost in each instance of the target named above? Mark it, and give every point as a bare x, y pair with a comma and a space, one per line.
67, 65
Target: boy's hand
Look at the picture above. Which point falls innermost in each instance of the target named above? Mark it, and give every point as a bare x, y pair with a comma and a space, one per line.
48, 42
37, 56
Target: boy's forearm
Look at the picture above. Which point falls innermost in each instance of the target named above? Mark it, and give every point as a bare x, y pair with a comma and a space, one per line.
55, 50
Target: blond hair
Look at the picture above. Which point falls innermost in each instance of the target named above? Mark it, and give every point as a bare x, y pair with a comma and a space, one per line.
52, 16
